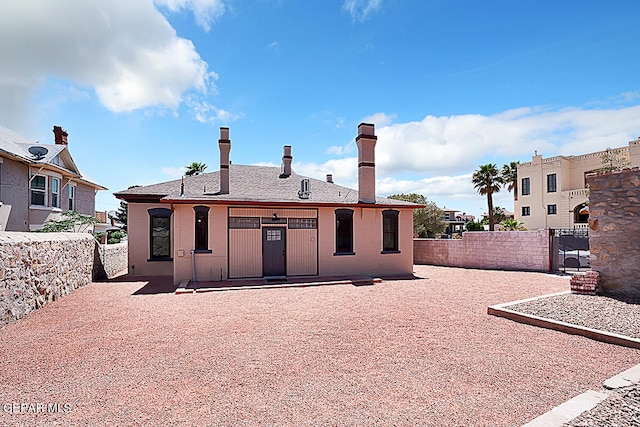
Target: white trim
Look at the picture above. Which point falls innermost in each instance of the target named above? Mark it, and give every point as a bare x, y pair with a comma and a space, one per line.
57, 193
45, 172
45, 190
73, 187
44, 208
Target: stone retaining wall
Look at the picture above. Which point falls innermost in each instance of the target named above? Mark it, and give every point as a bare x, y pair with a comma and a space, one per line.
36, 268
496, 250
614, 220
110, 260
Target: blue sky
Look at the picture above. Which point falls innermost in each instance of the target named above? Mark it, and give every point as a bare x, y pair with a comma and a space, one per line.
142, 86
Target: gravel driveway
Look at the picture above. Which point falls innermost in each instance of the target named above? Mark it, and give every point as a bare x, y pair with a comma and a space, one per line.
420, 352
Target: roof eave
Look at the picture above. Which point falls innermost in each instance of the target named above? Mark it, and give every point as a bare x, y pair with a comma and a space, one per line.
142, 198
311, 204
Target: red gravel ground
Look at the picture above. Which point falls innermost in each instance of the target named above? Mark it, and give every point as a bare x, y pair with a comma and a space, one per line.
421, 352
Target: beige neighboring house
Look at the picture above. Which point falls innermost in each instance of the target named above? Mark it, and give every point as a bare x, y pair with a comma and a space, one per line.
257, 221
39, 182
552, 191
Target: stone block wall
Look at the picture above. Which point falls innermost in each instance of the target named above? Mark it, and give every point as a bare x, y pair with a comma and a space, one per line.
614, 238
110, 260
36, 268
496, 250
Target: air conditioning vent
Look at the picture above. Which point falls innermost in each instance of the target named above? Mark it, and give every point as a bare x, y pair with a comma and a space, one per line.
305, 190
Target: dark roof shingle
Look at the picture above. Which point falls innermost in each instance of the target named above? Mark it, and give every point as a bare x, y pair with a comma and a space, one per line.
255, 184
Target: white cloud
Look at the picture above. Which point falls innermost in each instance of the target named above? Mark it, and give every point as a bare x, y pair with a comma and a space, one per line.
344, 171
205, 12
360, 10
437, 155
174, 172
125, 50
341, 150
205, 112
449, 145
380, 119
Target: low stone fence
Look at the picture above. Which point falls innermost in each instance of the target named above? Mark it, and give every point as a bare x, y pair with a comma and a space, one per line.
496, 250
36, 268
110, 260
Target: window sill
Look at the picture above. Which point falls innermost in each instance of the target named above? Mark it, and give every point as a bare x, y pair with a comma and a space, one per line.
202, 251
390, 252
44, 208
343, 253
160, 259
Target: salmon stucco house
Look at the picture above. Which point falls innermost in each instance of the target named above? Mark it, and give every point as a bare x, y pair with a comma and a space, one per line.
257, 221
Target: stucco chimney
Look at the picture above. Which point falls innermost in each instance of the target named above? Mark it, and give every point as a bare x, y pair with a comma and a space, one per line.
330, 178
366, 142
286, 162
60, 135
225, 147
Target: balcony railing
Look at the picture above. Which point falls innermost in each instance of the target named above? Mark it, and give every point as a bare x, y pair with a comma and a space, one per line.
582, 192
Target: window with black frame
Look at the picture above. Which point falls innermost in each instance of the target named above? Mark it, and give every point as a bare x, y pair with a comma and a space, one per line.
344, 232
526, 186
201, 228
390, 231
160, 233
551, 183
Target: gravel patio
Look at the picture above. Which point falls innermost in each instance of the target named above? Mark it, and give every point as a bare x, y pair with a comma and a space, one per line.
415, 352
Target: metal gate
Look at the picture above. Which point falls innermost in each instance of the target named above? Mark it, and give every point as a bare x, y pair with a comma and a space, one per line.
570, 249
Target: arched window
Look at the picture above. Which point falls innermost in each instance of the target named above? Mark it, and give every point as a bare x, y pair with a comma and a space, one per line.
581, 214
201, 228
160, 234
390, 231
344, 232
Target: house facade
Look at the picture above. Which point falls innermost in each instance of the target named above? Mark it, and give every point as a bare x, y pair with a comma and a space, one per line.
39, 182
255, 221
553, 191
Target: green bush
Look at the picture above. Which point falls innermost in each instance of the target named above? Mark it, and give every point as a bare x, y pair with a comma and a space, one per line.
115, 237
474, 226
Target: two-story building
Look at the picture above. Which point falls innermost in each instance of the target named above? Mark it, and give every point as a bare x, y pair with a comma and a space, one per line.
553, 191
39, 182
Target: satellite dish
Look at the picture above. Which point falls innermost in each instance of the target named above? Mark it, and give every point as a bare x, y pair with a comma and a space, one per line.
38, 151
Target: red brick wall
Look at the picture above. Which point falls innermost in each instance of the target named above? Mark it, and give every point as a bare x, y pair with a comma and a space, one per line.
498, 250
585, 283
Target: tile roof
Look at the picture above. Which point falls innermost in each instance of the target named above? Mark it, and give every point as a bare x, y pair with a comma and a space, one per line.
261, 184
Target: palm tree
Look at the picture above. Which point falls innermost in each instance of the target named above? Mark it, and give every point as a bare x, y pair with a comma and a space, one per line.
510, 177
487, 180
195, 168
